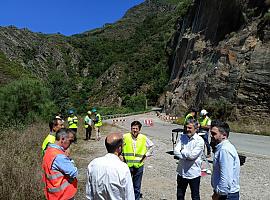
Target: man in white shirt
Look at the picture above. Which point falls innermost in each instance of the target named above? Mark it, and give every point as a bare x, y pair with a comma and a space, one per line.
108, 177
189, 150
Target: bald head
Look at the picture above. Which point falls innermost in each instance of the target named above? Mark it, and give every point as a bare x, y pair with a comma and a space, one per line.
113, 141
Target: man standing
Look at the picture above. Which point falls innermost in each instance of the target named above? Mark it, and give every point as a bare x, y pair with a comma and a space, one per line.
73, 123
88, 125
59, 171
54, 125
226, 164
137, 147
97, 123
205, 123
189, 150
108, 177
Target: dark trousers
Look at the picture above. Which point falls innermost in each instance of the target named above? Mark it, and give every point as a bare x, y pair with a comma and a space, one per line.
230, 196
206, 141
88, 132
136, 174
194, 185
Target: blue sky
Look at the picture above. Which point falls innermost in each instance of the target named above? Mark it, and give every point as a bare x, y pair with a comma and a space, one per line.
65, 16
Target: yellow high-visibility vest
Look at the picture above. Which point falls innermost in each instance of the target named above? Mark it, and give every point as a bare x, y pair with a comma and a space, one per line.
72, 122
49, 139
189, 116
99, 123
203, 121
133, 159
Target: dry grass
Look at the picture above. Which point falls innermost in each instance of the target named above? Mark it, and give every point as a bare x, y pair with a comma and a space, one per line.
251, 127
20, 166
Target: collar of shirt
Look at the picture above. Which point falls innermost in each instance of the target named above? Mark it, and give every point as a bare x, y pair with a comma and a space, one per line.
112, 155
56, 146
219, 146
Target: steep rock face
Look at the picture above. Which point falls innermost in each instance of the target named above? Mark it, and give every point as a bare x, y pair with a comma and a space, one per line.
218, 56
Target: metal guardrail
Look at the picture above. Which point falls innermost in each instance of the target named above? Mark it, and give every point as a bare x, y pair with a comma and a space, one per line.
124, 115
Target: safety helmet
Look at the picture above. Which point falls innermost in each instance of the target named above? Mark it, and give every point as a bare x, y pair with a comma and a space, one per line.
70, 112
94, 110
203, 112
89, 112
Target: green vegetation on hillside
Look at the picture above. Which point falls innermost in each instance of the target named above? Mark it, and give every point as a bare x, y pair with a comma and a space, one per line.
10, 71
23, 101
136, 45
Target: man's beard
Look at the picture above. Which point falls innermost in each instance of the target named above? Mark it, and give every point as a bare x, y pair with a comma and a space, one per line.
213, 144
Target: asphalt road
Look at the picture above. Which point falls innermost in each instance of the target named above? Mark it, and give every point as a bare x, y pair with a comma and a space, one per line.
245, 143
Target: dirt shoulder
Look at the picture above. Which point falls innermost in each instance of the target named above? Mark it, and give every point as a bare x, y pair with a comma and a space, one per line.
159, 180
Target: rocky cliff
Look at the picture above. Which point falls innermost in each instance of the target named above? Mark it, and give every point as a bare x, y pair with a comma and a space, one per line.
220, 52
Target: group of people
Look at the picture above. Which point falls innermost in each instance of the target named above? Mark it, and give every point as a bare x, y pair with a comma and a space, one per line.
118, 174
92, 119
189, 150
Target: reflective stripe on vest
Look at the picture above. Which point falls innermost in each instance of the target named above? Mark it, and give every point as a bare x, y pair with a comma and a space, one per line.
133, 159
54, 176
57, 185
61, 187
72, 122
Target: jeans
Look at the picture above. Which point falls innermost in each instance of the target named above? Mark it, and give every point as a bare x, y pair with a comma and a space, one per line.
230, 196
206, 141
194, 185
136, 174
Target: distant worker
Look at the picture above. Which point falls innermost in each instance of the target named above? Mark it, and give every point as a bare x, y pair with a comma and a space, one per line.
60, 174
205, 124
189, 150
191, 115
97, 123
73, 122
88, 125
59, 116
136, 148
226, 164
108, 177
54, 125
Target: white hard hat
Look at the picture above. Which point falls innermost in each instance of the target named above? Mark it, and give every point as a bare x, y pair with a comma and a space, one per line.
203, 112
89, 112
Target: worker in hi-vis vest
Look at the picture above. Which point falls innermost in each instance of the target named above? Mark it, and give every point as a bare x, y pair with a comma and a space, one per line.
73, 122
97, 123
205, 124
88, 125
135, 149
59, 171
191, 115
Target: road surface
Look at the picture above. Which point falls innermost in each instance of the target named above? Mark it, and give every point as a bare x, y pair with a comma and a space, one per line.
245, 143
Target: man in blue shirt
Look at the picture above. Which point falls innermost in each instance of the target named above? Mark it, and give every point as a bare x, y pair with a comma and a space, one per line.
60, 173
226, 164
